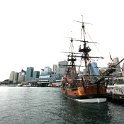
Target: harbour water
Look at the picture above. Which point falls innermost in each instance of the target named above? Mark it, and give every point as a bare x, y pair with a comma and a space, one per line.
46, 105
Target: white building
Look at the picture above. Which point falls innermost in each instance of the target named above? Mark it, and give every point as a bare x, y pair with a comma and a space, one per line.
13, 77
21, 77
55, 69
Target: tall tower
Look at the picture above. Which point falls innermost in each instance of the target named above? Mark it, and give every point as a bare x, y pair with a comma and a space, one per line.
62, 68
54, 69
21, 77
36, 75
13, 77
29, 73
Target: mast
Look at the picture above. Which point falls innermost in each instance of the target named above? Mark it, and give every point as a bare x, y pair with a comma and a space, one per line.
71, 67
71, 57
85, 56
86, 49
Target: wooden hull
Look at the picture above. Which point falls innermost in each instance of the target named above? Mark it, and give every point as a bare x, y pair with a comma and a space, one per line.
85, 93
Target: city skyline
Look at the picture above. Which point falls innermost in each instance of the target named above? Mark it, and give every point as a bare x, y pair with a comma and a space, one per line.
32, 73
34, 33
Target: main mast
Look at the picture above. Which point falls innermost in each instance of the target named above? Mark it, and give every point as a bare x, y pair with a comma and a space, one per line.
86, 49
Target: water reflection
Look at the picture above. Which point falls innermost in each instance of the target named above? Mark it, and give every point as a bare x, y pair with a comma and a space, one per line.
75, 112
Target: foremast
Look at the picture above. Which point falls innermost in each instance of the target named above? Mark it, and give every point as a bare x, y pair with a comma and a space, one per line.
71, 73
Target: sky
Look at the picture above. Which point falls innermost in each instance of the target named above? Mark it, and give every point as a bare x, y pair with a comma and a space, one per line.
33, 33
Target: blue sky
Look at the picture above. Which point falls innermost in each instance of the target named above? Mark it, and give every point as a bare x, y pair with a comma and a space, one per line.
34, 32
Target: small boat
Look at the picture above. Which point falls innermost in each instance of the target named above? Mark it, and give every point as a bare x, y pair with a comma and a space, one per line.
89, 86
19, 85
27, 85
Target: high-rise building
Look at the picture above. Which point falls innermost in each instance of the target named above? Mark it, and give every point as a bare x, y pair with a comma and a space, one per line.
29, 73
54, 69
46, 71
16, 77
21, 77
36, 75
62, 68
13, 77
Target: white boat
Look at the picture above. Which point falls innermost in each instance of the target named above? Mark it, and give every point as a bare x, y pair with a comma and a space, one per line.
19, 85
27, 85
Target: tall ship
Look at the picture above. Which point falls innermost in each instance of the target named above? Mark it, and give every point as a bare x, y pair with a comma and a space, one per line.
91, 84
